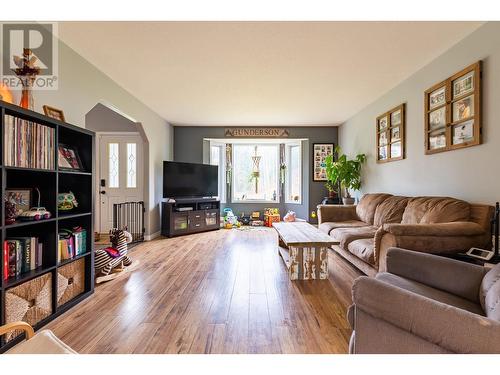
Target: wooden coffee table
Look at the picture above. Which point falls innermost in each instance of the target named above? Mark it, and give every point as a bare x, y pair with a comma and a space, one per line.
304, 250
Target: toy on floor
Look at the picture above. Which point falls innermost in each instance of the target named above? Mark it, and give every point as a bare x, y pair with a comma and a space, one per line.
271, 215
230, 219
111, 261
290, 216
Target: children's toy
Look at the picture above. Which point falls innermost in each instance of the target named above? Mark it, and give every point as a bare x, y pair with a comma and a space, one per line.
245, 220
271, 215
35, 213
66, 201
290, 216
111, 261
230, 219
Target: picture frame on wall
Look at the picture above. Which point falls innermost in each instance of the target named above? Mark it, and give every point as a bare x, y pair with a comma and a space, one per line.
455, 122
320, 152
390, 132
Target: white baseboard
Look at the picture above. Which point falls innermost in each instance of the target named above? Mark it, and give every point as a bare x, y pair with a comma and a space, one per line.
149, 237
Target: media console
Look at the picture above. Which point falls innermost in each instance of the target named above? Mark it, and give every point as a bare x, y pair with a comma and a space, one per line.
186, 216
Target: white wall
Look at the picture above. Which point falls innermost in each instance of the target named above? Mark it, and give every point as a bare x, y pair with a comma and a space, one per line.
82, 86
473, 173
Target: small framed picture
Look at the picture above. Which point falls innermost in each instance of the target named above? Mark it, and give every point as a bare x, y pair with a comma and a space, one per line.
382, 140
437, 97
437, 139
320, 152
396, 118
20, 197
463, 85
463, 108
396, 150
395, 134
382, 153
437, 119
463, 132
382, 124
68, 158
54, 113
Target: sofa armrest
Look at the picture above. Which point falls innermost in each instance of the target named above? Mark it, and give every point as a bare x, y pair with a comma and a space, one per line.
451, 328
450, 275
459, 229
336, 213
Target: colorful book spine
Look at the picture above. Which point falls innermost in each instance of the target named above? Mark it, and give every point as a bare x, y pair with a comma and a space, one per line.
5, 260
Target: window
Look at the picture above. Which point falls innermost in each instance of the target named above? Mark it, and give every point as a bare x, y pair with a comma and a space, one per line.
218, 157
131, 165
114, 165
293, 179
255, 173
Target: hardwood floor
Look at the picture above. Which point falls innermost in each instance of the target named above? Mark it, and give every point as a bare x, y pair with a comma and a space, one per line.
225, 291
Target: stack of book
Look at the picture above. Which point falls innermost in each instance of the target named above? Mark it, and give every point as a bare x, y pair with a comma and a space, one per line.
28, 144
72, 243
21, 254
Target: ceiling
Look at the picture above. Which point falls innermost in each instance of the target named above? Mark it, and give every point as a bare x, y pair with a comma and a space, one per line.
260, 73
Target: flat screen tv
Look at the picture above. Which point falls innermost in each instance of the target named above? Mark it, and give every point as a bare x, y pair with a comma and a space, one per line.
187, 180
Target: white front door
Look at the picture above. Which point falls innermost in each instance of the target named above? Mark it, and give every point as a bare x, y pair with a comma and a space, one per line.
121, 165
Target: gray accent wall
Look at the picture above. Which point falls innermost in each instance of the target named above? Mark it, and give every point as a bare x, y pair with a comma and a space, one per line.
471, 173
189, 147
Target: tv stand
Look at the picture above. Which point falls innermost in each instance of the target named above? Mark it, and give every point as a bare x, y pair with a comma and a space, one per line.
189, 215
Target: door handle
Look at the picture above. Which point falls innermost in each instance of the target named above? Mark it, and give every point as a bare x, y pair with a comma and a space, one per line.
102, 192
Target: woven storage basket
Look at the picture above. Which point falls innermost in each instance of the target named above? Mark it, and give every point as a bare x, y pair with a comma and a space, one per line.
30, 302
70, 281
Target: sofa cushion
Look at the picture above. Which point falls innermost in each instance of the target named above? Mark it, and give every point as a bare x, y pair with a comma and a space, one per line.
367, 206
429, 292
329, 226
489, 293
390, 211
346, 235
431, 210
364, 249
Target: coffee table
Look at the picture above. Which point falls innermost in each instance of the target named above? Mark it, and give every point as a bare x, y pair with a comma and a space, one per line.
304, 249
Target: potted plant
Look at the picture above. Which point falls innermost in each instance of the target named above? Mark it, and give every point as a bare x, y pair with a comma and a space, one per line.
332, 177
347, 172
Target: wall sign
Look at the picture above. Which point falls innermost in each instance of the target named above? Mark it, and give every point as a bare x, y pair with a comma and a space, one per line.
256, 132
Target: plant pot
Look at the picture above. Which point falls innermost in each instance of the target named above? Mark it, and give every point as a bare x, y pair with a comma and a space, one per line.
348, 201
332, 194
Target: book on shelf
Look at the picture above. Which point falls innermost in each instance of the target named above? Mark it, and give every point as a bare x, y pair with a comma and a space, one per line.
22, 254
71, 243
28, 144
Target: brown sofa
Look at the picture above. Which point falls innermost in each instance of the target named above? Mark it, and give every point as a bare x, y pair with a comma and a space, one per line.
438, 225
426, 304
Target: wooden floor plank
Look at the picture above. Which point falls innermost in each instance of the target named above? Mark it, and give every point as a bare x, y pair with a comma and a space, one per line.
225, 291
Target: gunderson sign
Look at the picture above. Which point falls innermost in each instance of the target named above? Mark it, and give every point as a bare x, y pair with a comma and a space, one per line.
256, 132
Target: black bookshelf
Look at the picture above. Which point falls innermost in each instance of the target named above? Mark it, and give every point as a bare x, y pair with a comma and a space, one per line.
50, 182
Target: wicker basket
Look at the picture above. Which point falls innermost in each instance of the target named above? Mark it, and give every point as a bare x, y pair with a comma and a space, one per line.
30, 302
70, 281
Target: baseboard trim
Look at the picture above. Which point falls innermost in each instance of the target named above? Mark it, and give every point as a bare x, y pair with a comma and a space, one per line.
149, 237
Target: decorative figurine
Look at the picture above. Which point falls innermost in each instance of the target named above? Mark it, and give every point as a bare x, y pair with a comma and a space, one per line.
66, 201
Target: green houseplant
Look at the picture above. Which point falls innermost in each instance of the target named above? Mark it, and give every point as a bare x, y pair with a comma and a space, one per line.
332, 177
346, 172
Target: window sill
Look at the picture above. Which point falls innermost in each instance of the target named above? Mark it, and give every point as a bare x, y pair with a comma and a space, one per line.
254, 201
293, 202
